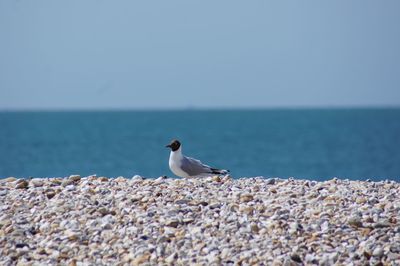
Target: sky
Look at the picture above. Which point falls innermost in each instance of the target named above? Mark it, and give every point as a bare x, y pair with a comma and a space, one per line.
101, 54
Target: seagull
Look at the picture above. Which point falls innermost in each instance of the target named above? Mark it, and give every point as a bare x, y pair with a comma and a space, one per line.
187, 167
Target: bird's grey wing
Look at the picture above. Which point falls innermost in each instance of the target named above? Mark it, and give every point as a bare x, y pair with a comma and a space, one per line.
194, 167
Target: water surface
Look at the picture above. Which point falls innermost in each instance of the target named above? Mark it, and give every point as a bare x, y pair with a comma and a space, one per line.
312, 144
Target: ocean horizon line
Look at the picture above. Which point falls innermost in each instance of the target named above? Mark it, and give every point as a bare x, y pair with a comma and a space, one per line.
201, 109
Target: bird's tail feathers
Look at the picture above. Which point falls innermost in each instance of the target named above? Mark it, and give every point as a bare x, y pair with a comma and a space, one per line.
219, 171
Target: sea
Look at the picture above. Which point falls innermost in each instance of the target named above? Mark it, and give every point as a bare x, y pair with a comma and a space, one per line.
315, 144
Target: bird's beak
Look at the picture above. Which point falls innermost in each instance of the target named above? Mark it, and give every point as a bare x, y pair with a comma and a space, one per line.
168, 146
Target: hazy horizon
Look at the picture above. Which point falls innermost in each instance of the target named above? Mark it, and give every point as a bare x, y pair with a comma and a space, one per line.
172, 109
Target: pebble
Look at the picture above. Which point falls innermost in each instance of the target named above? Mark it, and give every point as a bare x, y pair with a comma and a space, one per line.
37, 182
378, 252
270, 181
355, 222
212, 221
382, 224
21, 184
103, 211
295, 257
136, 179
246, 198
67, 182
74, 178
171, 258
172, 223
50, 193
8, 179
216, 178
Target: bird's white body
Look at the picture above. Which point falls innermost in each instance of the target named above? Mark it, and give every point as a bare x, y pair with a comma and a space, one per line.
188, 167
175, 158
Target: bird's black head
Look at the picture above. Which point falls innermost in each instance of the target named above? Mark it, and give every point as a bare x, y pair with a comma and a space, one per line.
174, 145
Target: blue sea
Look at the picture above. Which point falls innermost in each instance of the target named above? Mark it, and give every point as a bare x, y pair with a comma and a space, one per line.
315, 144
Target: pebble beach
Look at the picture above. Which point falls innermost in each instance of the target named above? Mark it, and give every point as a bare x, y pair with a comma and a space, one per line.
212, 221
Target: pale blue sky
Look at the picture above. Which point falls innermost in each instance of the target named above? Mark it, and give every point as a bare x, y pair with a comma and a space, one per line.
177, 54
